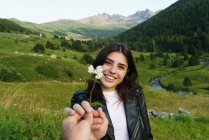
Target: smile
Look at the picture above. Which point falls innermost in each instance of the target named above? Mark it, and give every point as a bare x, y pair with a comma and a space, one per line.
109, 77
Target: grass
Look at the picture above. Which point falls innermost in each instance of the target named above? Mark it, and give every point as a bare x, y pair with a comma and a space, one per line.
182, 129
28, 69
36, 109
36, 106
198, 77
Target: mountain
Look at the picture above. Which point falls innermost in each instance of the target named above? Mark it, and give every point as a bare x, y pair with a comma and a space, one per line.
10, 26
106, 19
74, 29
102, 25
140, 16
180, 27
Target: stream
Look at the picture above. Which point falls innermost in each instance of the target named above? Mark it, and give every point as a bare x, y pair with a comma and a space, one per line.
155, 82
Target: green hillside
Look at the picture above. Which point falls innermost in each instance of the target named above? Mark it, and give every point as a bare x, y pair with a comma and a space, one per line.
74, 29
16, 55
68, 64
36, 86
183, 25
10, 26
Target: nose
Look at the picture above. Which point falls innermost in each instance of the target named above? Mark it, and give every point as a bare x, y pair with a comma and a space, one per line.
113, 69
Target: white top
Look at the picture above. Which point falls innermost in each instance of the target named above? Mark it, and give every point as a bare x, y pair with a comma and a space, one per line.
117, 114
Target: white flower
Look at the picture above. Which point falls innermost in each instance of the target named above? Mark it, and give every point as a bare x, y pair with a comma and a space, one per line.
98, 76
97, 71
90, 69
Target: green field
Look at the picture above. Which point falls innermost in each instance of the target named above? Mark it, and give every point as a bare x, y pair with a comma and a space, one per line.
33, 108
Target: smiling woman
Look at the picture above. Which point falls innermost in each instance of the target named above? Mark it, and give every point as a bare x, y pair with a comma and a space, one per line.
122, 98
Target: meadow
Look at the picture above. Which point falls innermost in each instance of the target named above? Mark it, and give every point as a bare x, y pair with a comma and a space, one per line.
34, 108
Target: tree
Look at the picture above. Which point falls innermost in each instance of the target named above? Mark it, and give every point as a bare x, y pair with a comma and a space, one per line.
87, 59
187, 82
170, 86
50, 45
39, 48
141, 58
193, 61
152, 56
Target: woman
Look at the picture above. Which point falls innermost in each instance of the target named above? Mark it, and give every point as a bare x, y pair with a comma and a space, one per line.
123, 100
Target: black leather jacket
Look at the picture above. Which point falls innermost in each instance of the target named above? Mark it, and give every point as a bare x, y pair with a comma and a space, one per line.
136, 116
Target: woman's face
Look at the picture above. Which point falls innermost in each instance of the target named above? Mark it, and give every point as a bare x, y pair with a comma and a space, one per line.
115, 68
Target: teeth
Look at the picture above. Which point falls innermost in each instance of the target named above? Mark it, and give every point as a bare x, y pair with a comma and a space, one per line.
110, 77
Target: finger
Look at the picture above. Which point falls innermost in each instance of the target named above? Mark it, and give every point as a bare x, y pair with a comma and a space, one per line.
71, 112
95, 127
97, 121
89, 118
102, 115
95, 113
86, 106
77, 108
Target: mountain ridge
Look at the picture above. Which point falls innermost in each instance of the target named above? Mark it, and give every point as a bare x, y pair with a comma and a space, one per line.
104, 25
106, 19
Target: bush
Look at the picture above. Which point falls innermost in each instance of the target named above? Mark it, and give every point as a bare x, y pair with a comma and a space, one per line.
10, 74
47, 70
69, 72
187, 82
39, 48
193, 61
141, 58
87, 59
170, 87
50, 45
152, 66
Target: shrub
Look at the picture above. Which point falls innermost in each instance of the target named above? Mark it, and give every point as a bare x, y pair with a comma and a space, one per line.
87, 59
170, 86
141, 58
193, 61
50, 45
152, 66
10, 74
187, 82
47, 70
69, 72
39, 48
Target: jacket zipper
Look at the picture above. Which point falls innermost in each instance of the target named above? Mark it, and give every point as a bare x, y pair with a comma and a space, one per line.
136, 129
142, 122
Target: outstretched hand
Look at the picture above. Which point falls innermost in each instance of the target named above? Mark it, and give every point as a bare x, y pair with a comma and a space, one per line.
100, 122
77, 127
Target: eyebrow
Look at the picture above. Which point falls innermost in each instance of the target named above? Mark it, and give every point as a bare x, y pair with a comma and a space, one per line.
121, 64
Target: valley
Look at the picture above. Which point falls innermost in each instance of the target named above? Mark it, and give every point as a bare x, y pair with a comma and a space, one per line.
42, 65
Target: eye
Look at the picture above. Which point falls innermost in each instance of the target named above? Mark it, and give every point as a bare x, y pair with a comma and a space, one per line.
107, 62
121, 67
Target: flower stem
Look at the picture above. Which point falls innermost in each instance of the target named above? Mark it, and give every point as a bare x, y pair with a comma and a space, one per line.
91, 92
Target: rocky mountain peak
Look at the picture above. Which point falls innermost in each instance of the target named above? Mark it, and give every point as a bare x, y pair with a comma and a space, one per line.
105, 19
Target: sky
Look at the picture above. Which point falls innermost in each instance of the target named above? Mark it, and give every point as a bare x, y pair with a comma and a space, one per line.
40, 11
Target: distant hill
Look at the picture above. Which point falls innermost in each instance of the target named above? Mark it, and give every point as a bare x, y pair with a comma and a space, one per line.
102, 25
10, 26
74, 29
183, 25
106, 19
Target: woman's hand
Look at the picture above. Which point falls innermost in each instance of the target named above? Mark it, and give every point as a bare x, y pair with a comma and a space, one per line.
100, 122
99, 129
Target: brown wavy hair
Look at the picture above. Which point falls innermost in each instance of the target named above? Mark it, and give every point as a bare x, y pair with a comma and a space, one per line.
126, 88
